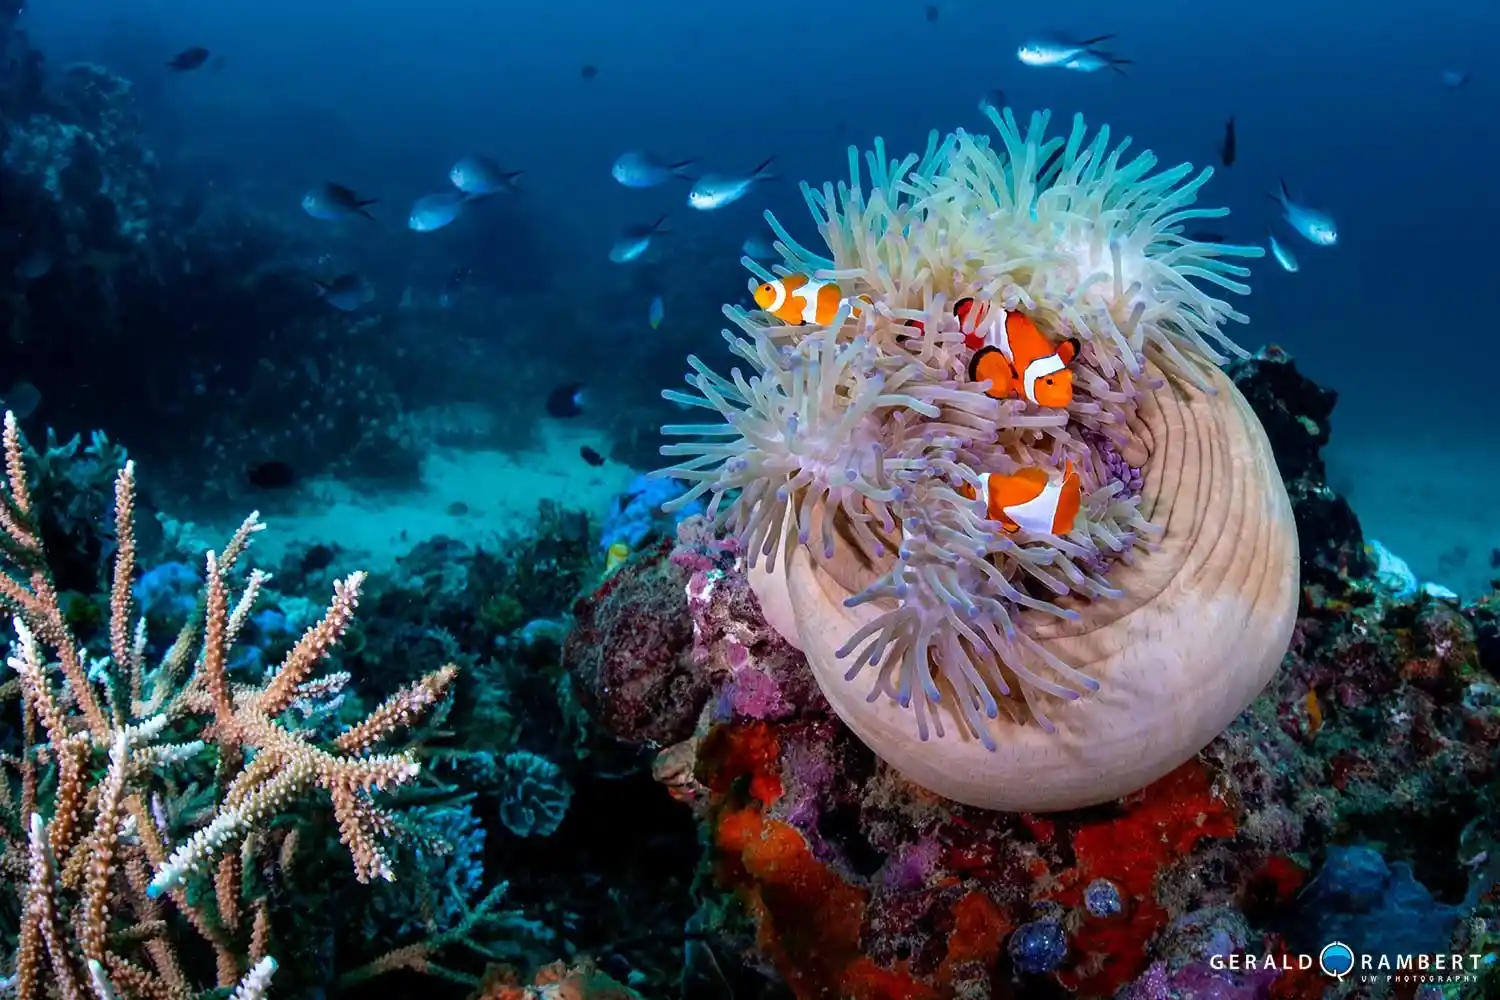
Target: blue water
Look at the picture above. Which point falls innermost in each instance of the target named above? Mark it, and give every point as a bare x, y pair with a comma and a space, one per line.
1343, 101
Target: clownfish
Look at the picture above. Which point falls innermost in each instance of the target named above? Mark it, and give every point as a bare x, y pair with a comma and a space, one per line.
1020, 362
797, 299
970, 314
1041, 502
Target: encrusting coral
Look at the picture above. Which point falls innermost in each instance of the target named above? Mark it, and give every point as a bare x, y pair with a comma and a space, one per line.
109, 743
1055, 668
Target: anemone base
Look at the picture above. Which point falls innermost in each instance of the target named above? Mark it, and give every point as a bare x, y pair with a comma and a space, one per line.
1205, 620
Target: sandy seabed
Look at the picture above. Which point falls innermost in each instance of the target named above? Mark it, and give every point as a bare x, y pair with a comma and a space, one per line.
1433, 503
1441, 514
476, 497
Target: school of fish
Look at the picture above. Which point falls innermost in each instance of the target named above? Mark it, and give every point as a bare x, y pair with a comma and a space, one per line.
1009, 354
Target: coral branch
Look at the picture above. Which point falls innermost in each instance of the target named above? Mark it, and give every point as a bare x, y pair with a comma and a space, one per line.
214, 671
401, 709
121, 643
108, 903
314, 646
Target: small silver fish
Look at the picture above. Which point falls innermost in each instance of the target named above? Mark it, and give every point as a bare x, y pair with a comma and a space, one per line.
1282, 254
1093, 60
758, 249
634, 241
434, 211
347, 292
1312, 225
331, 202
715, 190
480, 175
657, 312
642, 169
1055, 49
36, 264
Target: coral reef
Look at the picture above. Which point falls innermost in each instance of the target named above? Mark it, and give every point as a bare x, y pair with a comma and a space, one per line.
105, 782
514, 749
626, 652
536, 795
1084, 637
558, 981
1378, 742
1295, 415
85, 160
636, 517
137, 269
506, 846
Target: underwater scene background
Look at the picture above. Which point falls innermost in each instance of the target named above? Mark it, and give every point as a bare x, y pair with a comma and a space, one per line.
1049, 589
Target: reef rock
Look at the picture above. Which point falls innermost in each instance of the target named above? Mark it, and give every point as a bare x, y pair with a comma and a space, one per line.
630, 653
1295, 413
80, 165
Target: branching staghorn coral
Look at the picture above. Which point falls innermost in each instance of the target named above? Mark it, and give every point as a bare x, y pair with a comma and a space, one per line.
105, 893
869, 437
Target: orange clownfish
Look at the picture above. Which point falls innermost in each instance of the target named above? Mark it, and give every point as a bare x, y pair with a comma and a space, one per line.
1021, 363
970, 314
1041, 502
797, 299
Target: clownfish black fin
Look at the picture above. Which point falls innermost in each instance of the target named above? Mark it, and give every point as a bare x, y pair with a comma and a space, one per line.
978, 359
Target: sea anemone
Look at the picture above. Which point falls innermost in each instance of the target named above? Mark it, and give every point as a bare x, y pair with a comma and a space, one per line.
849, 460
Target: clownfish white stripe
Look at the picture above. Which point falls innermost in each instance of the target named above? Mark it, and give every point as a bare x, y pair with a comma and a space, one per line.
1000, 336
810, 293
780, 300
1037, 514
1041, 368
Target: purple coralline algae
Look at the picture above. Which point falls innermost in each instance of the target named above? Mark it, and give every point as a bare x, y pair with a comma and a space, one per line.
1200, 981
911, 866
